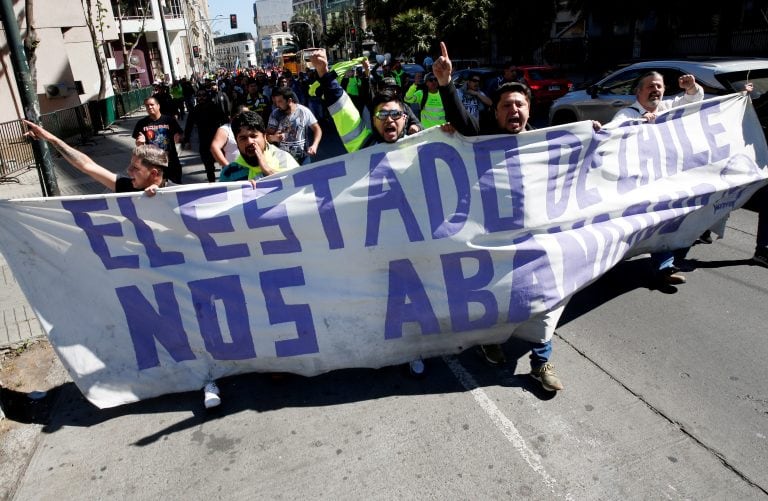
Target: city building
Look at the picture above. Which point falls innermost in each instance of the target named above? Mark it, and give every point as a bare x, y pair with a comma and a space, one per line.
67, 71
237, 50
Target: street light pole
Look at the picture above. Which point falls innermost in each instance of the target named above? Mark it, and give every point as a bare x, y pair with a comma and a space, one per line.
311, 31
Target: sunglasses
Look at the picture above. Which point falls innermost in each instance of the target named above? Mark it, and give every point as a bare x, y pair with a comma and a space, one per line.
431, 80
476, 80
383, 114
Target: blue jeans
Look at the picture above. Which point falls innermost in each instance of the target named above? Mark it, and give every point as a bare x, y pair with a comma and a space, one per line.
540, 353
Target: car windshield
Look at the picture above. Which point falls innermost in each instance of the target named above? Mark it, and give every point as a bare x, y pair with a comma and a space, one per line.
622, 83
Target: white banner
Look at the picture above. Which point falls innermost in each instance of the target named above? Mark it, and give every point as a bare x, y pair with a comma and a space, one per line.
426, 247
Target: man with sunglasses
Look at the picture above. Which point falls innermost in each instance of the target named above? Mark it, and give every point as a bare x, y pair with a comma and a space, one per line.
473, 99
388, 125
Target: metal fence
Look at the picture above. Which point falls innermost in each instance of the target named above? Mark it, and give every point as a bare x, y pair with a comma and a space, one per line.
78, 124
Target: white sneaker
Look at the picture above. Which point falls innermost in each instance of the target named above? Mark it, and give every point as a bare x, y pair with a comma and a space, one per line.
211, 392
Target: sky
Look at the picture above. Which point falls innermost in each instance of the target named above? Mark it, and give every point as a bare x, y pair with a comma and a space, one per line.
268, 13
243, 9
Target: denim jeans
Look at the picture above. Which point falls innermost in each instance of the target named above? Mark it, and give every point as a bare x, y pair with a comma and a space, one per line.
540, 353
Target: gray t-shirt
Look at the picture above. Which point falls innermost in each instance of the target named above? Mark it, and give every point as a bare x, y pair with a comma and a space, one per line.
294, 128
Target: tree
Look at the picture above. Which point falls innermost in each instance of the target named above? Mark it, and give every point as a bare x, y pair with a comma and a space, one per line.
143, 7
302, 34
413, 32
96, 22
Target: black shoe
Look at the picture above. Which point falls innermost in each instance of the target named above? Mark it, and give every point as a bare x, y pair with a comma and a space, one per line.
761, 256
671, 276
706, 237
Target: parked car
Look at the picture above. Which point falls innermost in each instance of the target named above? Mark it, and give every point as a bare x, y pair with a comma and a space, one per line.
602, 100
487, 74
546, 83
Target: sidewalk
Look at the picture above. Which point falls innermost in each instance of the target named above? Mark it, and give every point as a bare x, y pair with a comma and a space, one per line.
18, 323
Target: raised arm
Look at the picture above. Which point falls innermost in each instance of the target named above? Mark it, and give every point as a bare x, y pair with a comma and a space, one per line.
77, 159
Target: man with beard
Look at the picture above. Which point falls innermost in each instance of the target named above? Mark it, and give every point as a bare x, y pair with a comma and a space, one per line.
649, 90
164, 132
512, 107
289, 125
257, 157
388, 118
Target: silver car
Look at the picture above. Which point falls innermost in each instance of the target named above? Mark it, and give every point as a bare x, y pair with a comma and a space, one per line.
602, 100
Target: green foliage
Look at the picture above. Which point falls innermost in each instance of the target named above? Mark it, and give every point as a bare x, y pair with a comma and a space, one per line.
413, 31
302, 34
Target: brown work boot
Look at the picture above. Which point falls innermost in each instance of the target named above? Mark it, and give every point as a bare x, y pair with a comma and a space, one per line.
545, 374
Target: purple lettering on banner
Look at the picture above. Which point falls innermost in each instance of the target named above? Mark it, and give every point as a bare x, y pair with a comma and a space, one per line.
279, 312
428, 156
488, 191
557, 141
96, 232
319, 178
593, 159
578, 262
670, 212
157, 257
648, 152
203, 228
637, 216
381, 199
530, 260
603, 225
463, 290
669, 147
147, 325
407, 301
263, 217
691, 160
627, 182
710, 111
228, 290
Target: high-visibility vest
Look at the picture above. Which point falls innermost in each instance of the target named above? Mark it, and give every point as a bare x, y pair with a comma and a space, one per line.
276, 157
353, 86
433, 112
349, 123
313, 88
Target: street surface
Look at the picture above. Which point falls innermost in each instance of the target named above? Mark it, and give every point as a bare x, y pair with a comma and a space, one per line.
665, 398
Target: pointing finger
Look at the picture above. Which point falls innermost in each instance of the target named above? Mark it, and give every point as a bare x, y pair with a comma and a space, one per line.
443, 50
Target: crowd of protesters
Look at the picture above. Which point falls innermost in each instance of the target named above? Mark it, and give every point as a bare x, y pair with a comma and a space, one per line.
254, 122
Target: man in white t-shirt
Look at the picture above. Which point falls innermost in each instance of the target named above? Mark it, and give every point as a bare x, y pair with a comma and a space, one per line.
289, 124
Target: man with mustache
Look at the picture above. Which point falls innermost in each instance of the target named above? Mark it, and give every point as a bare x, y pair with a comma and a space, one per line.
257, 157
649, 90
512, 108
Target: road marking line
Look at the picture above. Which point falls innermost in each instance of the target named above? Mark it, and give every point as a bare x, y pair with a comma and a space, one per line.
502, 422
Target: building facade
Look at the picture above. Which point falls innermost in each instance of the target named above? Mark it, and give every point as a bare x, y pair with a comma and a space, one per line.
237, 50
66, 67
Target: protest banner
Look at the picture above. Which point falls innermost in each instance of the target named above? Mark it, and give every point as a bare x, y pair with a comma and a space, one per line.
421, 248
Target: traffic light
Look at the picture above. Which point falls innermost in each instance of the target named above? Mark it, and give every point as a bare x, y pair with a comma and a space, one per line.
285, 26
195, 51
233, 21
353, 33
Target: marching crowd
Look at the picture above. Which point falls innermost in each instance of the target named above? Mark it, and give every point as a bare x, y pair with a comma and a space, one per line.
253, 124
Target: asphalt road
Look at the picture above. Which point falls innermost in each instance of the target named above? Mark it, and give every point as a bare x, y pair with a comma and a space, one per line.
665, 399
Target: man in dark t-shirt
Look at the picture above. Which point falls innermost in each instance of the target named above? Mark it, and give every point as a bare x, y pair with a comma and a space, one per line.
145, 172
164, 132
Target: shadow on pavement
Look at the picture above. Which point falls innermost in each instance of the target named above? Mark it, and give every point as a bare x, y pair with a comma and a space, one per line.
261, 392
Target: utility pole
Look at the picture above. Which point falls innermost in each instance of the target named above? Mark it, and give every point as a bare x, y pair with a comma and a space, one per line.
28, 97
